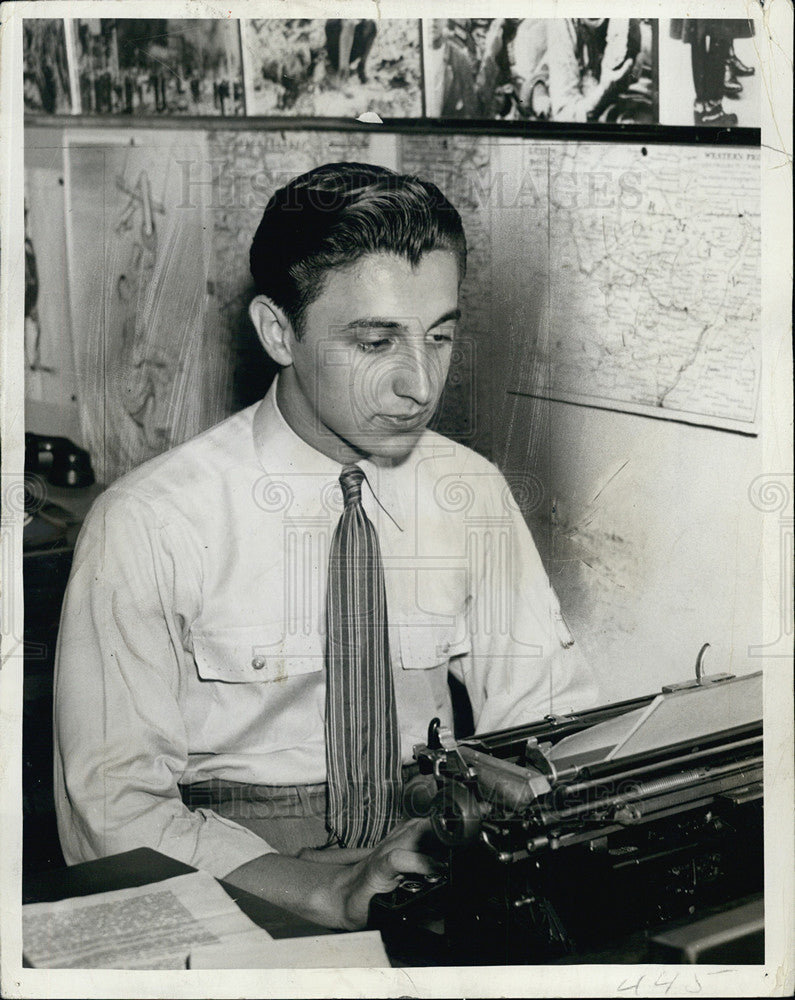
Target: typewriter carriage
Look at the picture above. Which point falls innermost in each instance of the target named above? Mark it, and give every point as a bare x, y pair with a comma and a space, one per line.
554, 856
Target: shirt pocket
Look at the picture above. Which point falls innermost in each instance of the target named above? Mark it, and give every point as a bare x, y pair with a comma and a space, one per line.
427, 642
255, 654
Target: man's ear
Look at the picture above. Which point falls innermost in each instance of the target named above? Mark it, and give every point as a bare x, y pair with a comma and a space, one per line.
274, 329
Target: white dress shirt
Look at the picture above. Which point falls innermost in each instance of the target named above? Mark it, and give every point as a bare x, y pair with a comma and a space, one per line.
192, 634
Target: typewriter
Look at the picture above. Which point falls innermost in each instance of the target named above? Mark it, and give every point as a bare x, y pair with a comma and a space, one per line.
565, 837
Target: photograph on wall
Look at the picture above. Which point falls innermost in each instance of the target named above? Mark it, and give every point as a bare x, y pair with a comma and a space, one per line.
541, 69
336, 67
48, 344
46, 67
709, 72
153, 66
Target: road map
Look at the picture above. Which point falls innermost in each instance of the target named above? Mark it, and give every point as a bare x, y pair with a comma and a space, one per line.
655, 290
650, 261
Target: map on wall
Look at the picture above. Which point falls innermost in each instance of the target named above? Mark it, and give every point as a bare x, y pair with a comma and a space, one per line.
615, 275
461, 166
246, 167
654, 282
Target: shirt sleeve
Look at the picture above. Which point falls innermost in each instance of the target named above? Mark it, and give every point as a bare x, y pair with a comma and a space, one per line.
565, 90
120, 739
523, 663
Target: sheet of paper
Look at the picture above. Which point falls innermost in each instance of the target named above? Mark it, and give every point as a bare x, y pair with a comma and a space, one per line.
149, 927
669, 718
695, 712
597, 741
362, 949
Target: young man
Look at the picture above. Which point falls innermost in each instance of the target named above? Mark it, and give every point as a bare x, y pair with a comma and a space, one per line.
246, 657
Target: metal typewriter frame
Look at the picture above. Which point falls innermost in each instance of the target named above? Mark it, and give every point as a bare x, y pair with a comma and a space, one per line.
545, 863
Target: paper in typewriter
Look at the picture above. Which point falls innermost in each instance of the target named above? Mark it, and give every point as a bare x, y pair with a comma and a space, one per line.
154, 926
668, 719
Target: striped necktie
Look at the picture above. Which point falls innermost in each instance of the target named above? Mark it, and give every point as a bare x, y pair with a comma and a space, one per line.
362, 741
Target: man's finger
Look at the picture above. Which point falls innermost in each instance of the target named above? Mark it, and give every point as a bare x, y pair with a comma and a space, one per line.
406, 832
400, 861
409, 830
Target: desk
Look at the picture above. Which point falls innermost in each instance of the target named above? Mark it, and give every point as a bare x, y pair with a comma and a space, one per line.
740, 937
144, 866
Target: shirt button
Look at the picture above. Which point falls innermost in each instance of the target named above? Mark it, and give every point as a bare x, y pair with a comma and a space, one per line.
258, 662
446, 647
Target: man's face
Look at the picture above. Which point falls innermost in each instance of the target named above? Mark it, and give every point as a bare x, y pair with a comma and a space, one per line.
372, 361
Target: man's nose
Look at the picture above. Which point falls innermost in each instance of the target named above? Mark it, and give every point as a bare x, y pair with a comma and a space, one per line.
415, 376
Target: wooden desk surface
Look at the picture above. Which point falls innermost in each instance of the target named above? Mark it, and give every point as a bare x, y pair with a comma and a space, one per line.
144, 866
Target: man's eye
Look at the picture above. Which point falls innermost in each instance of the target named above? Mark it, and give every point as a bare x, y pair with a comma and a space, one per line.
371, 346
440, 337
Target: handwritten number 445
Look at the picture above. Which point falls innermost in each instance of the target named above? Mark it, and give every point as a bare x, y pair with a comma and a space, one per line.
644, 986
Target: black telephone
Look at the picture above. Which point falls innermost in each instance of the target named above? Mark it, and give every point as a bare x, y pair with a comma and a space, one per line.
59, 460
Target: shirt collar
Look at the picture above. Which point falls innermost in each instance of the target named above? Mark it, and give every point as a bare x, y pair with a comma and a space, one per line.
281, 451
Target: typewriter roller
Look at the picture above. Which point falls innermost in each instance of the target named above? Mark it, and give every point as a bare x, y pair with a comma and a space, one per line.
570, 835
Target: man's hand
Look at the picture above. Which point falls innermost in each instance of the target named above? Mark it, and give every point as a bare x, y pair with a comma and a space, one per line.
363, 872
334, 887
611, 84
614, 80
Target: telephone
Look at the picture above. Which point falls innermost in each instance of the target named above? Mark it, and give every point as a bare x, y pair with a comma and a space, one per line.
59, 460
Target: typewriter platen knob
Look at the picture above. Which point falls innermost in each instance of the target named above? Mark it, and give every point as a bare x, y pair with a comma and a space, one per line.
419, 794
455, 815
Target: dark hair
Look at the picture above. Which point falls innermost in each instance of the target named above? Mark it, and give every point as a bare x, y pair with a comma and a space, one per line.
334, 215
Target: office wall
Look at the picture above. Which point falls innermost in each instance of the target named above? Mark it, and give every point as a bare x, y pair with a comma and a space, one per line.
651, 529
645, 525
651, 539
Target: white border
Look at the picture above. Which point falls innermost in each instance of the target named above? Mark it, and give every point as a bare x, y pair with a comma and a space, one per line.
774, 42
